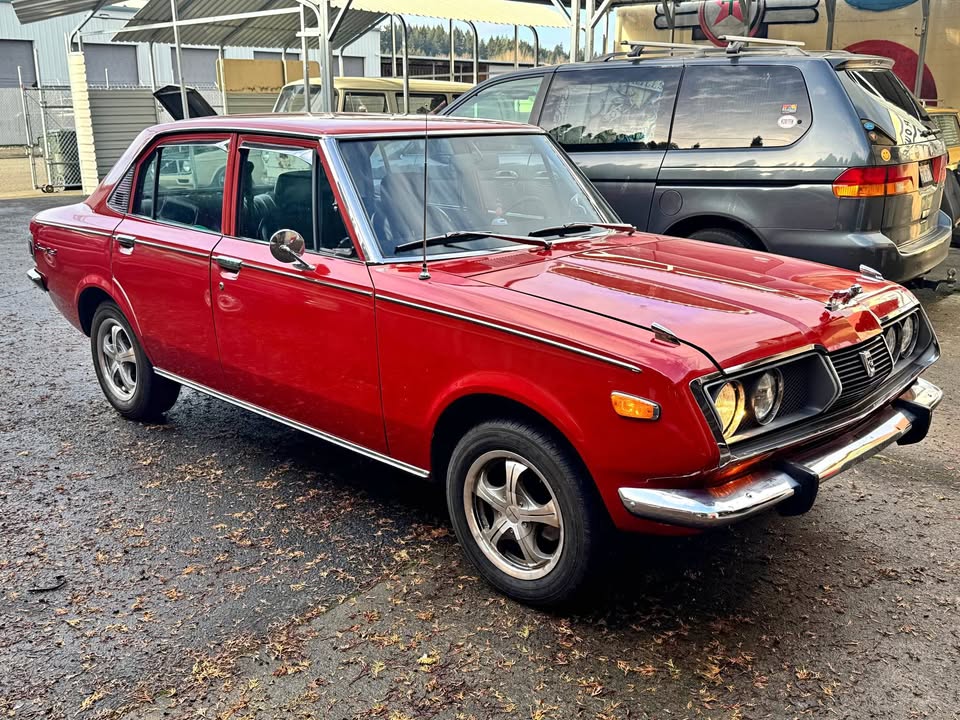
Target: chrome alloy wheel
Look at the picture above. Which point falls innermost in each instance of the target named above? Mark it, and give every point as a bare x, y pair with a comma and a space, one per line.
513, 515
117, 358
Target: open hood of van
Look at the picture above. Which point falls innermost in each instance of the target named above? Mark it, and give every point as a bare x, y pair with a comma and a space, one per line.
169, 97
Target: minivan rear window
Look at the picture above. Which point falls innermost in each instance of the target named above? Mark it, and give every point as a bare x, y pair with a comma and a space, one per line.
722, 106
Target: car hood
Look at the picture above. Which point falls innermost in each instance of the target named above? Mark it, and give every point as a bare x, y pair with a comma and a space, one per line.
735, 305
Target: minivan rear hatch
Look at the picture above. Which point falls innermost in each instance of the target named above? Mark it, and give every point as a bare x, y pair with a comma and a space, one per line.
907, 141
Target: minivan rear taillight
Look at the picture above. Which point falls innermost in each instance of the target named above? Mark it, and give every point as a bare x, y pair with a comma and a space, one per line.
861, 182
940, 169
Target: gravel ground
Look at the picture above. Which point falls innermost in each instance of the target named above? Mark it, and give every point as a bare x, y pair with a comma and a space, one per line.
222, 566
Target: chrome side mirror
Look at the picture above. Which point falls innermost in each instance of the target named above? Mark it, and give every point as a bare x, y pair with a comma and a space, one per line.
287, 246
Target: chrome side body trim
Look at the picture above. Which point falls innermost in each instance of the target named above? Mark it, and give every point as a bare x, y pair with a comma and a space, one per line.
366, 452
702, 508
171, 248
76, 228
336, 286
511, 331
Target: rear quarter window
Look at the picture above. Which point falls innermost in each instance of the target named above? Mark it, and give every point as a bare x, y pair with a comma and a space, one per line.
722, 106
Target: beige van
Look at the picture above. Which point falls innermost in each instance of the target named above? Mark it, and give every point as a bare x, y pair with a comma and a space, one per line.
374, 95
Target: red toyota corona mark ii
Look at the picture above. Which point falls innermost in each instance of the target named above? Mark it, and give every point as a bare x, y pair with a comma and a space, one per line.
562, 374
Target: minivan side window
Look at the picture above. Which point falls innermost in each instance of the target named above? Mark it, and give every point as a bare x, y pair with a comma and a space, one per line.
362, 102
611, 108
740, 107
508, 100
182, 184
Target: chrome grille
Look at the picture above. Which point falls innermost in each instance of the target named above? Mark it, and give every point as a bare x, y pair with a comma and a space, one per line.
855, 383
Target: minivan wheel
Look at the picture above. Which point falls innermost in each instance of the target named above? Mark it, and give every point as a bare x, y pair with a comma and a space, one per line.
524, 511
722, 236
123, 370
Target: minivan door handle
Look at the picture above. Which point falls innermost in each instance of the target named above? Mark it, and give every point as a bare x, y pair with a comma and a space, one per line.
230, 264
126, 241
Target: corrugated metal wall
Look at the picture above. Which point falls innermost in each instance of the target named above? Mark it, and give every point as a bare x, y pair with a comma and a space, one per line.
250, 103
117, 117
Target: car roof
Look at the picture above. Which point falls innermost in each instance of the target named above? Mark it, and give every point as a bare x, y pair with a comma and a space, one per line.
340, 124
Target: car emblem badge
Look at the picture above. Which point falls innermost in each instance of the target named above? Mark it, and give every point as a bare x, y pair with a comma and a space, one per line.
867, 359
841, 298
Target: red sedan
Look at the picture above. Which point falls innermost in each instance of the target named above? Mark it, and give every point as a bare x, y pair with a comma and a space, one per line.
490, 325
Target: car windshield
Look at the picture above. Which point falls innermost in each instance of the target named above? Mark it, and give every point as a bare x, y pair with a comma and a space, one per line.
497, 184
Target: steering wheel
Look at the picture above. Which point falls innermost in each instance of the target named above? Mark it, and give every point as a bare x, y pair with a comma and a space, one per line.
535, 201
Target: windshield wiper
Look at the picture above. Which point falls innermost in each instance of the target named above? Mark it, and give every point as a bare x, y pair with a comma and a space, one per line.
577, 227
459, 235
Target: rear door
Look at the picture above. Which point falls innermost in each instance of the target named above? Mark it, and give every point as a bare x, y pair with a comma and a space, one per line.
615, 123
162, 249
909, 140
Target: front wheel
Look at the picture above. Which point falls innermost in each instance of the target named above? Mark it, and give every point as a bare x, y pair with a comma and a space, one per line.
123, 370
524, 511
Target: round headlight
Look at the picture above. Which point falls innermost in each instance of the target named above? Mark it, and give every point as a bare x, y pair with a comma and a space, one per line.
908, 336
892, 340
766, 396
730, 407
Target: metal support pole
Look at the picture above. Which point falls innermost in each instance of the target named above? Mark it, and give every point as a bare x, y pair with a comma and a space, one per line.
26, 128
223, 81
326, 56
393, 46
922, 53
536, 46
476, 52
574, 30
176, 42
43, 114
516, 47
591, 7
831, 19
606, 31
153, 80
406, 68
453, 54
307, 104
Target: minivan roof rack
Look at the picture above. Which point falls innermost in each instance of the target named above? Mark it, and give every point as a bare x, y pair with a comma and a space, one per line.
736, 43
638, 46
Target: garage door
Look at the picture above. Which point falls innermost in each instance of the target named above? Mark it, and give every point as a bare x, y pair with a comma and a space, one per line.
199, 66
16, 53
119, 60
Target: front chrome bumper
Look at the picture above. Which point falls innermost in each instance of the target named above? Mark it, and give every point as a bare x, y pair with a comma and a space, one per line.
904, 421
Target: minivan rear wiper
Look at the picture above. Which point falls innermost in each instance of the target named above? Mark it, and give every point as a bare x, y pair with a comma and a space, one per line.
576, 227
458, 235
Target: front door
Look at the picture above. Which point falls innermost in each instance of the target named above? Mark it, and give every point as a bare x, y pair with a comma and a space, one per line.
161, 254
297, 341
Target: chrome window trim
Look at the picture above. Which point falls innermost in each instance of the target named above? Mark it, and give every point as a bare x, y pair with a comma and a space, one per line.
519, 129
349, 445
277, 271
512, 331
76, 228
354, 206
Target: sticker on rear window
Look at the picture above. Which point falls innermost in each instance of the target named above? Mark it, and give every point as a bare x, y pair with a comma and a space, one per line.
787, 121
788, 108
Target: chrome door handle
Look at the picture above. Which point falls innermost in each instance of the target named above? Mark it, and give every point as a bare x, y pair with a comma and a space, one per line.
126, 241
230, 264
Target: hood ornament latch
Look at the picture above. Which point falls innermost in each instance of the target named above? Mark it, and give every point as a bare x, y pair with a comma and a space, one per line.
664, 334
842, 298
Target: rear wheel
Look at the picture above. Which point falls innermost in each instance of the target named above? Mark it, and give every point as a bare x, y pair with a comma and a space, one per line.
524, 511
123, 370
722, 236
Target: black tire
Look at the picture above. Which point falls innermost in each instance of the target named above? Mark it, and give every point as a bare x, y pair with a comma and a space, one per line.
722, 236
582, 518
150, 395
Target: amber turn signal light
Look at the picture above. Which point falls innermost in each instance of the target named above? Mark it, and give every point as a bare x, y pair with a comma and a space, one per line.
631, 406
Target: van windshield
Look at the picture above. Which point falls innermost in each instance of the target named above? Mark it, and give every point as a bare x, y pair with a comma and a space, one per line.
290, 99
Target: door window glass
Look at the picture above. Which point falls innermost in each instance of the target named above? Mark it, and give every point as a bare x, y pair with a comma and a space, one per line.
276, 192
510, 100
364, 102
722, 106
183, 185
423, 104
611, 108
